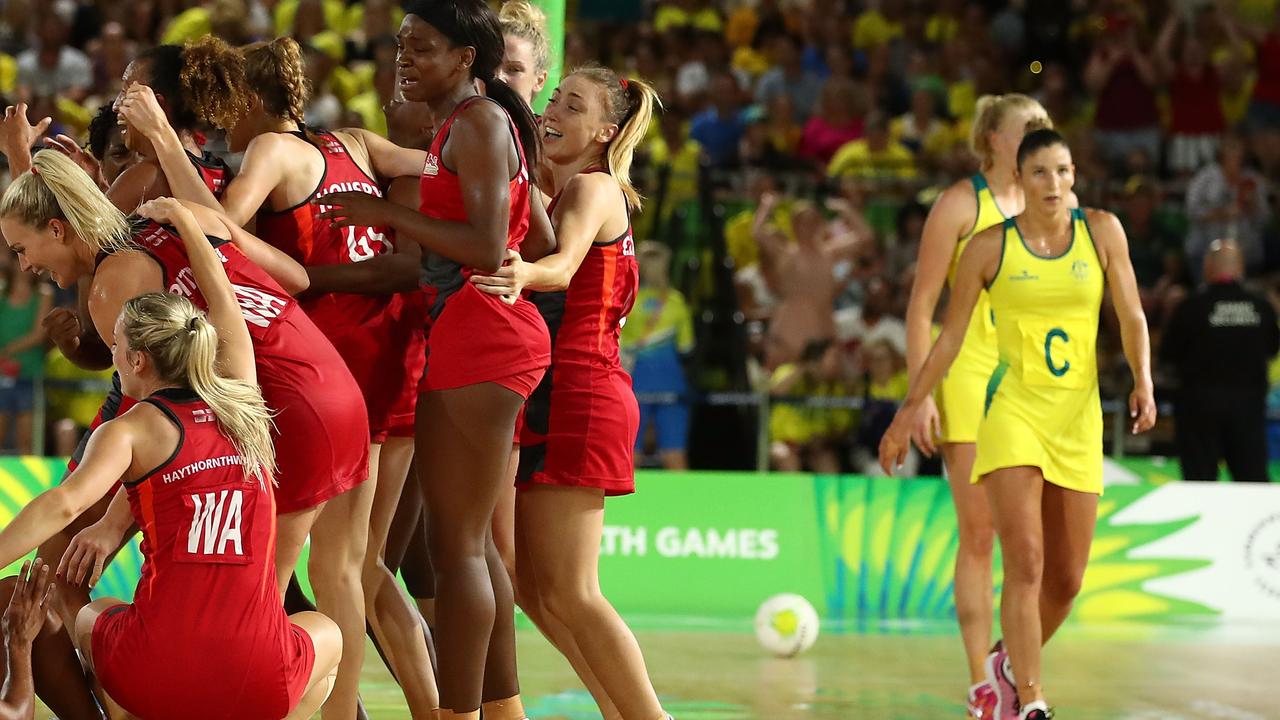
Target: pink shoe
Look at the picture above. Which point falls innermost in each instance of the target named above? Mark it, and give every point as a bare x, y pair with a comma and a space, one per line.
982, 702
1000, 679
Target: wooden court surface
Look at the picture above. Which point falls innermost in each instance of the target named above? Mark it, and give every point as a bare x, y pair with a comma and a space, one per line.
1136, 672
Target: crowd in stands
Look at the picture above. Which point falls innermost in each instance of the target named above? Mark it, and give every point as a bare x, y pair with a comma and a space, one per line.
820, 131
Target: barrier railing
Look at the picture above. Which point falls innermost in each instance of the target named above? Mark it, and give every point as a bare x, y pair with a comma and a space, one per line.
763, 402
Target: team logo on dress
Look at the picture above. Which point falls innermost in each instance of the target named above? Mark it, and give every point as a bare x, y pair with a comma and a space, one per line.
432, 168
1080, 270
202, 415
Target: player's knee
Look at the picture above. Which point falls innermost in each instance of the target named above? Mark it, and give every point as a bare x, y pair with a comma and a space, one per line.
1061, 588
332, 573
564, 603
977, 539
1023, 561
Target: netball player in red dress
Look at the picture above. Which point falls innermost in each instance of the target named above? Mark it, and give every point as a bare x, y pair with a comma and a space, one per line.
288, 169
526, 60
206, 635
580, 425
57, 214
484, 356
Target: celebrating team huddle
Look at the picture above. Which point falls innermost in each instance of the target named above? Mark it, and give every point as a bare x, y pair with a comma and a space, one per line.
403, 354
275, 386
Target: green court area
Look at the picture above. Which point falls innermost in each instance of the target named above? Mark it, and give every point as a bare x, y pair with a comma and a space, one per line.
1092, 673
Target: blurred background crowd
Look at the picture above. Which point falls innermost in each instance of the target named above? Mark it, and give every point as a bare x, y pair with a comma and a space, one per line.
787, 182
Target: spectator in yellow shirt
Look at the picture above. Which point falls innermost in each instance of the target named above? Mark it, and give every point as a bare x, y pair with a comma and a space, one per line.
877, 156
680, 14
921, 130
656, 337
874, 27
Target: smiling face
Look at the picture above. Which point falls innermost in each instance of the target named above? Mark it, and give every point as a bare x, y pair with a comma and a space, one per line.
1047, 176
49, 251
576, 122
428, 64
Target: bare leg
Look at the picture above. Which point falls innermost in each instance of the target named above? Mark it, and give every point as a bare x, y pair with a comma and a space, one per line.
291, 534
66, 436
973, 585
85, 620
1015, 495
22, 435
338, 541
466, 432
327, 639
504, 518
674, 460
1069, 521
395, 622
565, 551
551, 628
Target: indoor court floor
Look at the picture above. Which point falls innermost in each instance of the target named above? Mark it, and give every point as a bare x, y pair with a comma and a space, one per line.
1131, 672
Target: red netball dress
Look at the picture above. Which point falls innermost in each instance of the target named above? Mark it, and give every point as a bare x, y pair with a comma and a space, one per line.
215, 174
322, 445
581, 422
374, 334
475, 337
206, 635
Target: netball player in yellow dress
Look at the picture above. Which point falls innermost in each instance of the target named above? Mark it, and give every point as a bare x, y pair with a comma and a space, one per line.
963, 210
1039, 450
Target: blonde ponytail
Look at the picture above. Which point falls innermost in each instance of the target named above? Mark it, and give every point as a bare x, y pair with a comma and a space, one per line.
183, 346
989, 113
57, 188
630, 105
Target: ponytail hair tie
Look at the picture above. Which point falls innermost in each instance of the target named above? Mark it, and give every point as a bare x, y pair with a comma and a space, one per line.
191, 324
623, 82
34, 170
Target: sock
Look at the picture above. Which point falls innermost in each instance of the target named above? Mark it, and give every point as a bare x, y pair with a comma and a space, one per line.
1028, 708
508, 709
444, 714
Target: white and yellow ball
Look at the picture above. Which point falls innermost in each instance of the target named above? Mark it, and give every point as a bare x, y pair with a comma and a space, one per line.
786, 625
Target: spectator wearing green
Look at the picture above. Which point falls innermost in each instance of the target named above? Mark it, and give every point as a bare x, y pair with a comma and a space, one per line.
26, 300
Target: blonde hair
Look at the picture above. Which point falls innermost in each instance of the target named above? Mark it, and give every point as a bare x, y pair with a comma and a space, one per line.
629, 104
991, 110
56, 187
523, 20
183, 346
277, 73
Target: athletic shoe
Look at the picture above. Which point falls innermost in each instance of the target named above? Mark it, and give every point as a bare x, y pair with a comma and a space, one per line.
1000, 678
1037, 710
982, 702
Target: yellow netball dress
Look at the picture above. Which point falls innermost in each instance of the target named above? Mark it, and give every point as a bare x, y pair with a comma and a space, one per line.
960, 394
1042, 406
